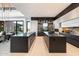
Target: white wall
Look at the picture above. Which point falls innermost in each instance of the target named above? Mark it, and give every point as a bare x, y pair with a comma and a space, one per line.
56, 24
34, 26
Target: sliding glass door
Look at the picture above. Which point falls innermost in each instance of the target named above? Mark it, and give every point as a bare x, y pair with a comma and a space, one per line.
19, 27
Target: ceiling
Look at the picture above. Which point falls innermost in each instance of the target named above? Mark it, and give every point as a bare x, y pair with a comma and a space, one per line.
9, 14
6, 5
41, 9
12, 13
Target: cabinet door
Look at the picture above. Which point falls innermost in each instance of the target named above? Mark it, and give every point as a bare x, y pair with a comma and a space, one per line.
19, 44
59, 44
47, 41
71, 23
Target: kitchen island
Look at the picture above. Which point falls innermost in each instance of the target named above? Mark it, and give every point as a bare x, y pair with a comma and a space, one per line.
55, 43
21, 42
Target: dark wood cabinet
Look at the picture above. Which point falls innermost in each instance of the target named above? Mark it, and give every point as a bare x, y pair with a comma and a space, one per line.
73, 39
46, 39
55, 43
21, 43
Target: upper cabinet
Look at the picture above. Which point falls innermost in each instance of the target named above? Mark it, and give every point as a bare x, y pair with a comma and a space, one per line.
71, 19
71, 23
71, 15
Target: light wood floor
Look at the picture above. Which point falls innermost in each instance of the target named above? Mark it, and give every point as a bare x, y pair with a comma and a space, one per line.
38, 49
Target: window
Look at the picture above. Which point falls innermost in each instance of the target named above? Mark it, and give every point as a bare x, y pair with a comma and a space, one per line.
18, 27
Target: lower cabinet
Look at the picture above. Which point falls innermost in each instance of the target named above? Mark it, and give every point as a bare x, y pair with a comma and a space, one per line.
74, 40
55, 44
31, 39
21, 43
46, 39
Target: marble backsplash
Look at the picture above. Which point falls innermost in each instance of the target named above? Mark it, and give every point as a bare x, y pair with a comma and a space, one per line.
74, 31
